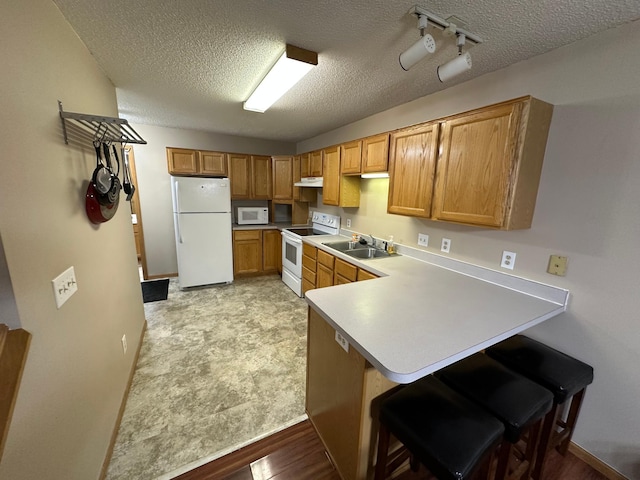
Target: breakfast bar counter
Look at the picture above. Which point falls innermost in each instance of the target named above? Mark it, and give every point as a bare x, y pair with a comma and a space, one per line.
425, 312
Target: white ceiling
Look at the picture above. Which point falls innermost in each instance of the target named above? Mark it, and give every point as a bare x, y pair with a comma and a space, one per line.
191, 63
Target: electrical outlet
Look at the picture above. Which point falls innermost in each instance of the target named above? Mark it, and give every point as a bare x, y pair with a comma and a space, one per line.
557, 265
423, 240
348, 223
342, 342
124, 344
446, 245
64, 285
508, 260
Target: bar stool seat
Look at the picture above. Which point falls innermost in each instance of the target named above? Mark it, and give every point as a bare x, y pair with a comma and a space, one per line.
566, 377
444, 431
518, 402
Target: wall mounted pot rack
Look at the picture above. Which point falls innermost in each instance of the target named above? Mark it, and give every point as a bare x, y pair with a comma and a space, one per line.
102, 129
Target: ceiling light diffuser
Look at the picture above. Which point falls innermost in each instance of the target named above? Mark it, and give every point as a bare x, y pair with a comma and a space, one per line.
292, 65
375, 175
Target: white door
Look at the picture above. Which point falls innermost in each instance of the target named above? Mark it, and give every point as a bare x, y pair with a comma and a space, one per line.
204, 248
191, 194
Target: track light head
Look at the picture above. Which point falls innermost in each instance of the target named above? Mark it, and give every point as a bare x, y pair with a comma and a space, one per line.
417, 52
452, 68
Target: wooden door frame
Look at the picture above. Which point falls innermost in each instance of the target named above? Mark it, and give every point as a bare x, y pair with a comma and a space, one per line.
135, 208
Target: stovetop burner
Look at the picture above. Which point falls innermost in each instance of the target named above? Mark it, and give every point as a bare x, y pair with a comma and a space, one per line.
305, 232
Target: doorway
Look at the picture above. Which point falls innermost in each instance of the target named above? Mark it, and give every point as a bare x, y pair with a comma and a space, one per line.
136, 214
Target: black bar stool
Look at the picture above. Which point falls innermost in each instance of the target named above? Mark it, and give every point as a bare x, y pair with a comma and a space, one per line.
566, 377
518, 402
441, 429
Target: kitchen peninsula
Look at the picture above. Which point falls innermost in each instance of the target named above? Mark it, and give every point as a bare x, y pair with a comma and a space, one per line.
426, 312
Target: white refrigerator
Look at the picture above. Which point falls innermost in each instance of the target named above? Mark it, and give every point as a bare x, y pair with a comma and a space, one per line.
202, 222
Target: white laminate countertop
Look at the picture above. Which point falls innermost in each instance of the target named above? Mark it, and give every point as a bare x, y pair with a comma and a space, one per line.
428, 312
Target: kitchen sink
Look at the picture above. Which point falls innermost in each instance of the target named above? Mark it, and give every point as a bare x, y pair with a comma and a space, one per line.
346, 246
367, 252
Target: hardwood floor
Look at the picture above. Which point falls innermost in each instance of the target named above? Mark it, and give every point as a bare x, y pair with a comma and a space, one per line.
297, 453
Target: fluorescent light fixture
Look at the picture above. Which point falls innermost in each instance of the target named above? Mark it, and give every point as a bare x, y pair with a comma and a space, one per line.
417, 51
375, 175
454, 67
292, 65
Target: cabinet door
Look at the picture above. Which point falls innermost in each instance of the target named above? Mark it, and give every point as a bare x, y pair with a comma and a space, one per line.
412, 163
247, 252
375, 154
283, 178
476, 166
331, 177
213, 164
316, 164
239, 176
182, 162
261, 177
271, 250
351, 157
364, 275
305, 165
324, 276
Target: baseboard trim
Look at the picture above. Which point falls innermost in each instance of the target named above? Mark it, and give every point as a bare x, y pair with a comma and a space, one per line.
123, 404
595, 462
166, 275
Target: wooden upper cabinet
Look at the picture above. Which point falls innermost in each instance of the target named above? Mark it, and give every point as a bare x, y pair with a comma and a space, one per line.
490, 164
283, 178
337, 189
351, 157
305, 164
213, 164
412, 164
375, 153
316, 168
181, 161
261, 177
239, 176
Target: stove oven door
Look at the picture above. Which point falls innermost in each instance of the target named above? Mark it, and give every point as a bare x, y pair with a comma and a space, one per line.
292, 262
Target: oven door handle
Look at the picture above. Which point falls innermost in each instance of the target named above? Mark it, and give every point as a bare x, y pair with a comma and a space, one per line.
291, 239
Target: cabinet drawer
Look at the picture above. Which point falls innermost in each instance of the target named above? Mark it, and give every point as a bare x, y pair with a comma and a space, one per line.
246, 234
309, 263
346, 270
309, 251
325, 259
309, 275
364, 275
307, 285
340, 280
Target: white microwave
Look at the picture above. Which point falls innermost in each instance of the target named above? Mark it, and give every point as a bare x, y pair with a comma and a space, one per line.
252, 215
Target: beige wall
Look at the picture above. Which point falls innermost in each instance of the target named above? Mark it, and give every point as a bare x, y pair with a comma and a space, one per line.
155, 188
587, 209
76, 372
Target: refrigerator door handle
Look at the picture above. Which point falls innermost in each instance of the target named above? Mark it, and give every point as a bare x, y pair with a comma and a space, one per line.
179, 229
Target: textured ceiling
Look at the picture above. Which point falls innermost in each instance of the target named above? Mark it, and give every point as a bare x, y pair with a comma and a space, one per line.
191, 63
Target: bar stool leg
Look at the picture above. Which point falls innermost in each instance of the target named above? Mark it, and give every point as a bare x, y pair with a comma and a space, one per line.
383, 449
545, 439
574, 410
504, 454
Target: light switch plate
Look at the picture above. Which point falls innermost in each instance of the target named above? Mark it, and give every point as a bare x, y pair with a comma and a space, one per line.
64, 285
557, 265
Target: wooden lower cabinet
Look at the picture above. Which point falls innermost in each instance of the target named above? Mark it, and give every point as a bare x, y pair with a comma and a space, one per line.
256, 252
271, 251
364, 275
324, 274
344, 272
341, 393
309, 267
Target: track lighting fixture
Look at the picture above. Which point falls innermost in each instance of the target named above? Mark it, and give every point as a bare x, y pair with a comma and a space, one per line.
458, 65
426, 44
417, 51
292, 65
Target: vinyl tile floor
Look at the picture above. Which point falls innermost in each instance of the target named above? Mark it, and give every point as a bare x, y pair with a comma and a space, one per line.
219, 366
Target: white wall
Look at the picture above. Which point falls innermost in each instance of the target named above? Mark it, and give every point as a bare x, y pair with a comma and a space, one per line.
154, 182
76, 373
587, 209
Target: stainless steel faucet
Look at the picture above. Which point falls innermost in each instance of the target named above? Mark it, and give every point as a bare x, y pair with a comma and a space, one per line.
373, 241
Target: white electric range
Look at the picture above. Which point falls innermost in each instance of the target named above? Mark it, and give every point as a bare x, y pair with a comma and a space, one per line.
323, 224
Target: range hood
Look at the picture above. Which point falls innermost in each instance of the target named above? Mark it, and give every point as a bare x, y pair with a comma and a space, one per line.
309, 182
